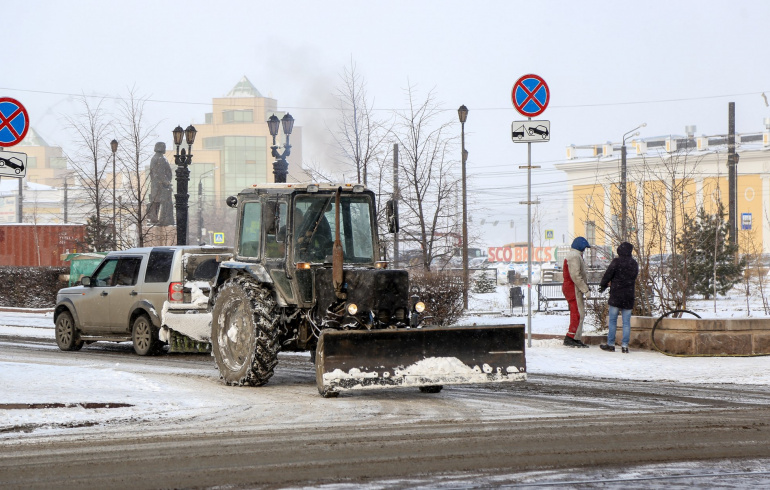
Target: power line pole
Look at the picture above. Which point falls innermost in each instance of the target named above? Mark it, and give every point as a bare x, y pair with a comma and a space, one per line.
395, 201
732, 175
65, 199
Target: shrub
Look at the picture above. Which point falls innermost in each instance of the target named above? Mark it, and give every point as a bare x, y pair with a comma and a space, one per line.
30, 287
442, 293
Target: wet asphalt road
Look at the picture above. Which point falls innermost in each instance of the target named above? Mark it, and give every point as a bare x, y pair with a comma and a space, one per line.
565, 428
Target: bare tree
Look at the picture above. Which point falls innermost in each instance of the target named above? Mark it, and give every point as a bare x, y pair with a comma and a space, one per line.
135, 137
359, 135
427, 171
661, 195
89, 163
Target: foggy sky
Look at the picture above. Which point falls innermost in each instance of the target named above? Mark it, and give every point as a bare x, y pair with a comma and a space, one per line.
610, 66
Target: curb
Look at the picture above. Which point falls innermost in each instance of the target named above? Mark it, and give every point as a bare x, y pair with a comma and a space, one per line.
9, 309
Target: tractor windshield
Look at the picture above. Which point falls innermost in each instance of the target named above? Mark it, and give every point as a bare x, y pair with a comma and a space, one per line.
314, 228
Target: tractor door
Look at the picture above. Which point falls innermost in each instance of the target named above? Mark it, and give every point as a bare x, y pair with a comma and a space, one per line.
274, 217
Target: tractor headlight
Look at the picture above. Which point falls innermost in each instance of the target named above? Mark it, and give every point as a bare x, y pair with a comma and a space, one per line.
352, 309
382, 264
419, 307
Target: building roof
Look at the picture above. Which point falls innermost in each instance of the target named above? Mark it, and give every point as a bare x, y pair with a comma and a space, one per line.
33, 139
244, 88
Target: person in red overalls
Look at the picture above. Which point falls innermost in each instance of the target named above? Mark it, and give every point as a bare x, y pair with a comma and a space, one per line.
575, 285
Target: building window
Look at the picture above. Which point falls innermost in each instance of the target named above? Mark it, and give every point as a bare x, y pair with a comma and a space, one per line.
58, 162
591, 232
31, 162
209, 118
244, 116
213, 143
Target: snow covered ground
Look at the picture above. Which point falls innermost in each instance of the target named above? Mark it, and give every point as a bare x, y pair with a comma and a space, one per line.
170, 389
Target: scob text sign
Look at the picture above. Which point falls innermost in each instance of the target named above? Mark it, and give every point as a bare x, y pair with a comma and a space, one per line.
531, 131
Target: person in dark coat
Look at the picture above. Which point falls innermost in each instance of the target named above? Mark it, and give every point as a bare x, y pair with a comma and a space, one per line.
620, 276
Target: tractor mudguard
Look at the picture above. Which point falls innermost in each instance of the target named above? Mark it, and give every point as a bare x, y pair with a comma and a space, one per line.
419, 357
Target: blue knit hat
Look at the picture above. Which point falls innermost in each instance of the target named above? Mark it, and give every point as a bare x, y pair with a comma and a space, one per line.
580, 243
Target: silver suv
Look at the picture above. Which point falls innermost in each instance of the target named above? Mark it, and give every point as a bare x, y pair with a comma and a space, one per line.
124, 298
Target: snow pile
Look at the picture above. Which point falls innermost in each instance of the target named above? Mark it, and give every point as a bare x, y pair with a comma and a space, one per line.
190, 319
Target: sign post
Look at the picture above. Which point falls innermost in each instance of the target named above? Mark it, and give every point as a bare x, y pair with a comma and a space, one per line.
530, 96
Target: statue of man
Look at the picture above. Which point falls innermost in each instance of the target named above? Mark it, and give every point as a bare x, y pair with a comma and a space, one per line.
160, 211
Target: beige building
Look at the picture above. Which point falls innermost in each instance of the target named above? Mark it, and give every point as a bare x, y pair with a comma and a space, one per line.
232, 147
231, 152
667, 177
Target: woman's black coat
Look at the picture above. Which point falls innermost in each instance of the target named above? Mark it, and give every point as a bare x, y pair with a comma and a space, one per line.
621, 277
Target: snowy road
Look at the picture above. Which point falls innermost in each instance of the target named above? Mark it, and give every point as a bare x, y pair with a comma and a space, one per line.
103, 417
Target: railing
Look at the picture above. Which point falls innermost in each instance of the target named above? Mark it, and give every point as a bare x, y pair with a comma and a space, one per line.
550, 293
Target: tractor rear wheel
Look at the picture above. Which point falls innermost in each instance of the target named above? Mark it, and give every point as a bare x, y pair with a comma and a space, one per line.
244, 334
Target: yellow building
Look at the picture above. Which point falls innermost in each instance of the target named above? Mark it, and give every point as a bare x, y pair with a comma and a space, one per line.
667, 178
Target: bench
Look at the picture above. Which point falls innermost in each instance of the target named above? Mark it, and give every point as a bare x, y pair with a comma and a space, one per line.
551, 293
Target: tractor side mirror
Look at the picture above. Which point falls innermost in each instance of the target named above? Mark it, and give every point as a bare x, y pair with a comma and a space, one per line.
391, 209
232, 201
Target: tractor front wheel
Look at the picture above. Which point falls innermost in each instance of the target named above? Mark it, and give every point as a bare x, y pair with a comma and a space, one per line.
244, 334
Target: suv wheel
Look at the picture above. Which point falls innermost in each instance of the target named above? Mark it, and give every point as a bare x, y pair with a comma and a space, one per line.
145, 337
67, 335
244, 335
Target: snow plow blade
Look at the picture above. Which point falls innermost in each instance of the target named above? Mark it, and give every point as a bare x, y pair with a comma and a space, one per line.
419, 357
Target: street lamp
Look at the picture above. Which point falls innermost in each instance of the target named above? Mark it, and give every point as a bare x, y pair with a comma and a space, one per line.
200, 201
114, 147
182, 160
623, 196
462, 112
280, 166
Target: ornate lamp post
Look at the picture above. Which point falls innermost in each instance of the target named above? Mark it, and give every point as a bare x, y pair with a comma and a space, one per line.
182, 161
114, 147
280, 166
462, 112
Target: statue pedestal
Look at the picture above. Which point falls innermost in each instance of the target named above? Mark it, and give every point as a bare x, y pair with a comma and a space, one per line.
160, 236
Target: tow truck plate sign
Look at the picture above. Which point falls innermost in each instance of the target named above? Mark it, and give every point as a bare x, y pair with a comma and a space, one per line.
531, 131
13, 164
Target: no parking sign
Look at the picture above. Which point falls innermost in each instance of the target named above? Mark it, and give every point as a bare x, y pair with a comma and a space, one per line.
530, 95
14, 121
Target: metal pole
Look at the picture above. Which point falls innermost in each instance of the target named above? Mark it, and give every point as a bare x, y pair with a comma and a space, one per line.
732, 177
623, 198
465, 225
200, 209
20, 204
529, 243
65, 199
182, 196
395, 202
114, 180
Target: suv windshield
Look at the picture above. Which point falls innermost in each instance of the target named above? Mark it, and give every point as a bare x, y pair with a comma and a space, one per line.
314, 228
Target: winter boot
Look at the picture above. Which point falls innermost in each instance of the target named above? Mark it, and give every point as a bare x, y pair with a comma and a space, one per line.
581, 343
608, 348
625, 350
570, 342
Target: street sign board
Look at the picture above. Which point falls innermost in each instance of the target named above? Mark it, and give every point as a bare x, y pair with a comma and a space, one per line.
13, 164
549, 234
745, 221
14, 121
219, 238
530, 95
531, 131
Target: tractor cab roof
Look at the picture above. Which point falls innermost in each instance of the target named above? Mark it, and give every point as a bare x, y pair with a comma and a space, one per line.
301, 188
